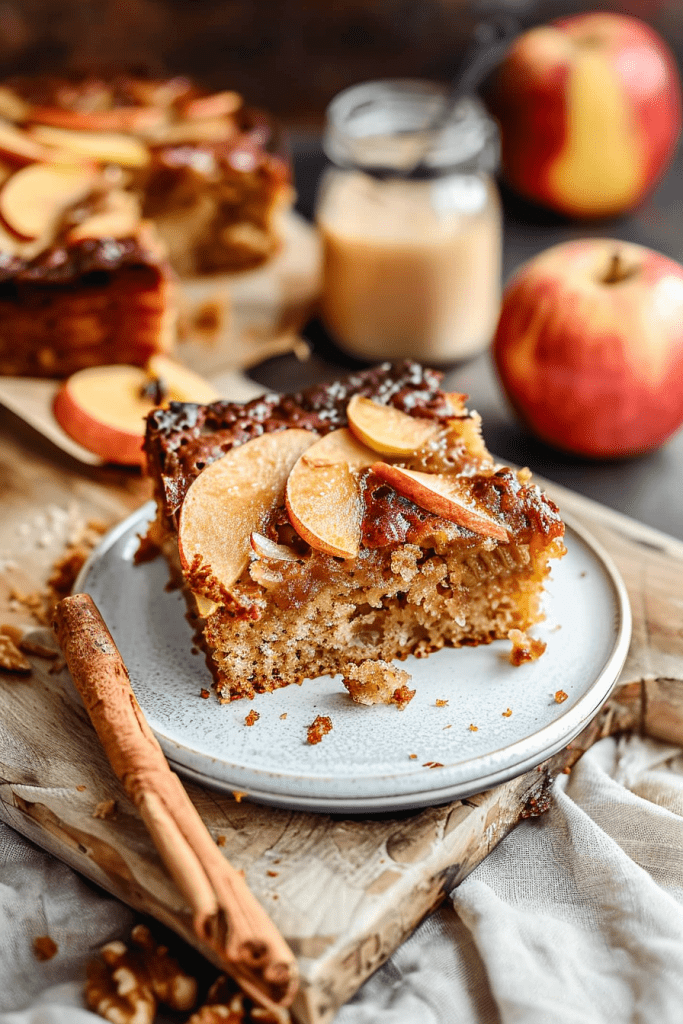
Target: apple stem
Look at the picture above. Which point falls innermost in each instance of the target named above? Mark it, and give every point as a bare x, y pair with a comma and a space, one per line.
618, 271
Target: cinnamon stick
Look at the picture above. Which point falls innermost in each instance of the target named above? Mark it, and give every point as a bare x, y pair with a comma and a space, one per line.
226, 914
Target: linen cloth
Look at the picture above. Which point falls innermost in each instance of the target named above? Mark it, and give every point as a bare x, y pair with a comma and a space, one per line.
576, 917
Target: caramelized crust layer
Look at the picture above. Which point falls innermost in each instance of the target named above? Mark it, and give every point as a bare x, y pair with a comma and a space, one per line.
420, 581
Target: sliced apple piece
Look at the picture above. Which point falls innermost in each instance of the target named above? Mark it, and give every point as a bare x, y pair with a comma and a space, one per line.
119, 218
323, 496
218, 104
389, 431
34, 198
442, 496
117, 119
231, 499
19, 147
104, 147
264, 547
12, 106
104, 407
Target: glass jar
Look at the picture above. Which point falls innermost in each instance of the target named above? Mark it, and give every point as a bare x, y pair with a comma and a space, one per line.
412, 265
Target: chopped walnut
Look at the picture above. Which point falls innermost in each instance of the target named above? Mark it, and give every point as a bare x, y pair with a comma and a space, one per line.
11, 658
524, 648
128, 987
44, 948
377, 682
319, 728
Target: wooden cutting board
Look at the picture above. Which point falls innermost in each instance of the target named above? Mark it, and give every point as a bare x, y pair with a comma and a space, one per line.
345, 891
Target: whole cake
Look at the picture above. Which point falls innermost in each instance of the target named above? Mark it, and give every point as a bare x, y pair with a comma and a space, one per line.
352, 523
108, 188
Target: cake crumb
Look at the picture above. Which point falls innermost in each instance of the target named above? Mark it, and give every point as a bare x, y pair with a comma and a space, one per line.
376, 682
507, 713
272, 874
319, 728
252, 718
283, 716
473, 728
220, 840
447, 727
524, 648
105, 809
44, 948
413, 757
441, 703
204, 694
238, 795
402, 697
560, 696
11, 658
432, 764
81, 789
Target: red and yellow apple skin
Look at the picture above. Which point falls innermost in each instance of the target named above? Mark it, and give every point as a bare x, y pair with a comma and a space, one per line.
590, 112
589, 347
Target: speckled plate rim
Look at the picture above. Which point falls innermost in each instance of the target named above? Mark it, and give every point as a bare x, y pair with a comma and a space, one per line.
426, 788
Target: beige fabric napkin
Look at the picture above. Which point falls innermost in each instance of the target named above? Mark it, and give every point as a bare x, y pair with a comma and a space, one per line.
575, 918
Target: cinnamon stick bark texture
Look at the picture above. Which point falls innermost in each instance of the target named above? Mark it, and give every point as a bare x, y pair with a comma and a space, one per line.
226, 915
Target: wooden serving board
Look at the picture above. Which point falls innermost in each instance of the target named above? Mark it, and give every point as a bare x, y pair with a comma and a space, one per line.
344, 890
228, 323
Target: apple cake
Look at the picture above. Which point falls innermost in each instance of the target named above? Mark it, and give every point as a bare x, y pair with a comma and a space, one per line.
200, 164
108, 191
354, 522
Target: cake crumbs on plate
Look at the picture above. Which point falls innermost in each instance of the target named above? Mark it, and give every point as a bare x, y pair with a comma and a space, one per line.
560, 696
283, 716
412, 757
238, 795
524, 647
204, 694
220, 840
319, 728
450, 726
507, 713
377, 682
432, 764
473, 728
252, 718
441, 703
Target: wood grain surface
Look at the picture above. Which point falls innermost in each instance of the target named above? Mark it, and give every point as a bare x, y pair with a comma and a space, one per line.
344, 891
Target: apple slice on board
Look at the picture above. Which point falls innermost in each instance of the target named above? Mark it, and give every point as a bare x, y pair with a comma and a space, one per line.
323, 497
389, 431
104, 407
439, 495
33, 199
103, 147
230, 501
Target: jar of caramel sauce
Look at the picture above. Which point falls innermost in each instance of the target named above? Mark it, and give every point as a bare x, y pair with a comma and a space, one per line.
410, 223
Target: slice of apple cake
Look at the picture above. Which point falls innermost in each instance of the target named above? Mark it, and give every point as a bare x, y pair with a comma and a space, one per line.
362, 520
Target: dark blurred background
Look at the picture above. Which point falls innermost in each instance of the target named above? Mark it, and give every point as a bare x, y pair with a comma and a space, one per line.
291, 56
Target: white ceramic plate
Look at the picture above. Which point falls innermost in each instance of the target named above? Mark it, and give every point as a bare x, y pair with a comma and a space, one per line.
365, 763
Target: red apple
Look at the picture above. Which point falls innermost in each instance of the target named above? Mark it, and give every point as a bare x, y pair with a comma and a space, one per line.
590, 112
589, 347
104, 407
